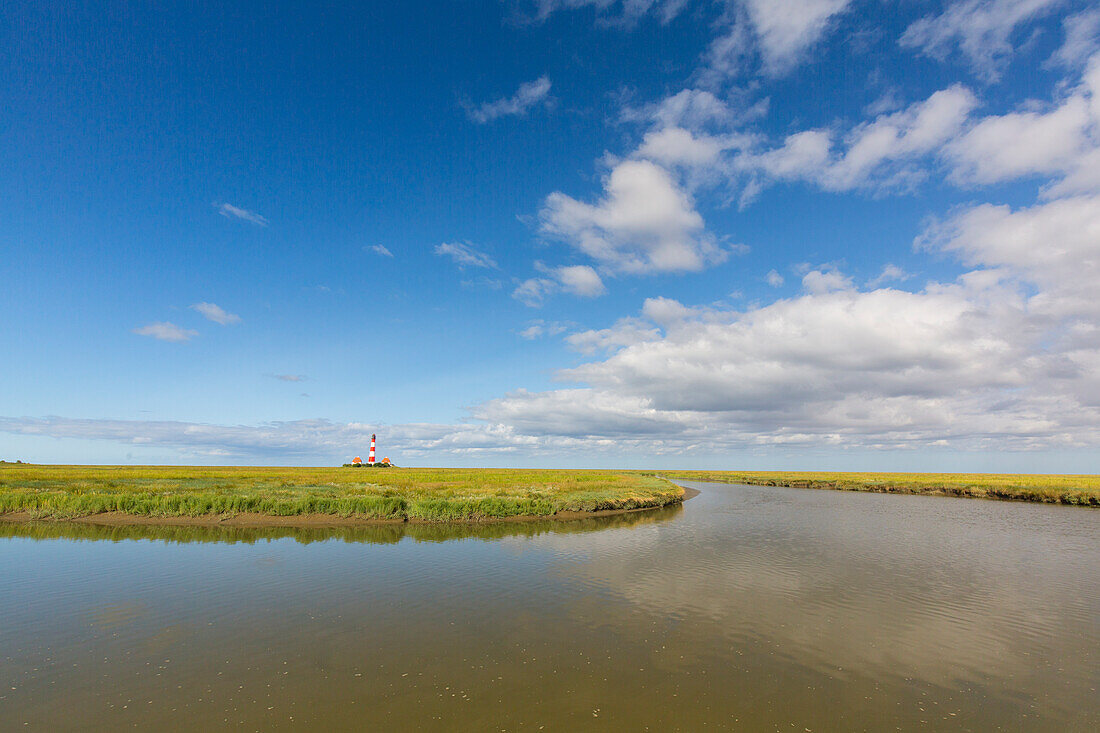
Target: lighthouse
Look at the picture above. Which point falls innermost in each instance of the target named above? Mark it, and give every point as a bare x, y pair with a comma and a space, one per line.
370, 456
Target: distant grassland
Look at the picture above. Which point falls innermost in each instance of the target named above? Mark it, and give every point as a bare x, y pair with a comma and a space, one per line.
1052, 489
426, 494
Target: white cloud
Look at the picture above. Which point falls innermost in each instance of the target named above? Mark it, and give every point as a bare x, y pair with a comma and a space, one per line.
803, 155
880, 154
690, 108
531, 332
625, 332
826, 280
1058, 140
897, 150
232, 212
780, 32
280, 440
534, 291
890, 273
626, 11
1004, 147
1082, 39
786, 29
645, 223
464, 254
580, 280
290, 377
165, 331
539, 328
728, 53
1055, 245
981, 30
216, 314
920, 129
774, 278
380, 249
1005, 357
527, 96
673, 146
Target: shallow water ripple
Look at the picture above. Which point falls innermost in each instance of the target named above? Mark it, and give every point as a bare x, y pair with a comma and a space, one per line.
751, 607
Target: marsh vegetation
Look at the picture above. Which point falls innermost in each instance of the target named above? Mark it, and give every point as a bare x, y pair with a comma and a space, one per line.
1046, 488
424, 494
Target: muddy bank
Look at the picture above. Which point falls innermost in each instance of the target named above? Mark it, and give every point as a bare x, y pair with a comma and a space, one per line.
306, 521
1052, 489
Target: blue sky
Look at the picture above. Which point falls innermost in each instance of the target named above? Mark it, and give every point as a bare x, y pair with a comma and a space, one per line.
795, 233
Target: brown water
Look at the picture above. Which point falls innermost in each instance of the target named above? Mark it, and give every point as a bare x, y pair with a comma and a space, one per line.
749, 608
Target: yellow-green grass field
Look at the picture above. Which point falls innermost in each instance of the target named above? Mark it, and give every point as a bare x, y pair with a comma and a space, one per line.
1082, 490
422, 494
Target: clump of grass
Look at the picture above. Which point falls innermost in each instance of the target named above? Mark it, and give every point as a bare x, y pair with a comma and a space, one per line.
1078, 490
399, 494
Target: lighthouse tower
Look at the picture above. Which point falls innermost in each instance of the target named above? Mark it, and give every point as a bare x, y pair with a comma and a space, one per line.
370, 456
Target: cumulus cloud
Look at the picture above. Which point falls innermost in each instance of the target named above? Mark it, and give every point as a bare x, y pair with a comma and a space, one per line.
579, 413
690, 108
527, 96
644, 223
165, 331
881, 153
787, 28
1060, 140
626, 332
673, 146
380, 249
1004, 357
233, 212
1017, 144
779, 32
774, 278
1055, 245
981, 30
464, 255
579, 280
826, 280
216, 313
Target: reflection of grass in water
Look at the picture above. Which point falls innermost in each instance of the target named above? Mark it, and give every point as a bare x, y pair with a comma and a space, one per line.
1052, 489
374, 534
395, 493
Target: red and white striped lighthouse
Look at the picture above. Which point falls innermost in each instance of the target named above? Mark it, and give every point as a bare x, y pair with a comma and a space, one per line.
370, 456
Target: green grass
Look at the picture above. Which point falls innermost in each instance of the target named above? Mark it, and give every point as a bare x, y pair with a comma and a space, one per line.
376, 533
1082, 490
58, 492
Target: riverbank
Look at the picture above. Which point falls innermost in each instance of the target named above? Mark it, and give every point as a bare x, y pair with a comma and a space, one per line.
1074, 490
236, 496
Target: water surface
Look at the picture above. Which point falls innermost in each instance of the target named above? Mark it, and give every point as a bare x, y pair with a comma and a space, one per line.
753, 608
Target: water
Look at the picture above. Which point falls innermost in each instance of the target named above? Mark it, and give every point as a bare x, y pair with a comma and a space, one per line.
751, 608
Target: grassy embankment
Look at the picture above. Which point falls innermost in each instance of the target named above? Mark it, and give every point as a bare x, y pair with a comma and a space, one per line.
421, 494
1051, 489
